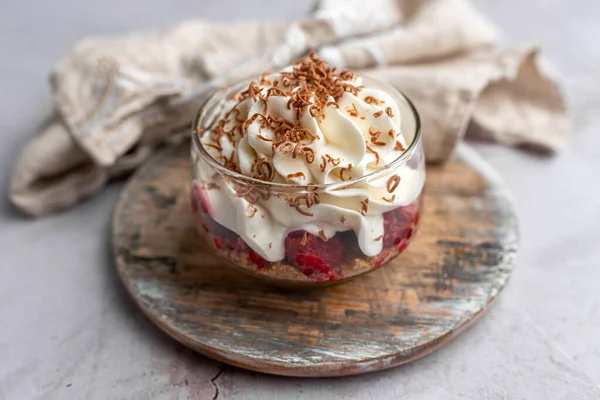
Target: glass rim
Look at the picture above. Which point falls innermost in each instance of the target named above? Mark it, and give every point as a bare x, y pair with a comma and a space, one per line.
236, 176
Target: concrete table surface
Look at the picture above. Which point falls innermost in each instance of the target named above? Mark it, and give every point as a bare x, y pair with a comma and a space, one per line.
68, 330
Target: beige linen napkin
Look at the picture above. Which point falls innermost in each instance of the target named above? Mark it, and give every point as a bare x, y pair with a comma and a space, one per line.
119, 98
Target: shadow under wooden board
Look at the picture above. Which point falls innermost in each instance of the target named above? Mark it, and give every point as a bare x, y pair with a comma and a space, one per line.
461, 258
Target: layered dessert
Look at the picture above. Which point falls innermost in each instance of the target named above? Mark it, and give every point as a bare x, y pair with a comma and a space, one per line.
307, 175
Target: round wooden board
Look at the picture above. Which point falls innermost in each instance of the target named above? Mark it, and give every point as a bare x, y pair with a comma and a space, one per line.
460, 260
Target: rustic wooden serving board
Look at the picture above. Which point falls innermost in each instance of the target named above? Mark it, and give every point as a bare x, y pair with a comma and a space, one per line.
461, 258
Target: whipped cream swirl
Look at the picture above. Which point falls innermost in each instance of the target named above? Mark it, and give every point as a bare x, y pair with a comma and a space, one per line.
308, 125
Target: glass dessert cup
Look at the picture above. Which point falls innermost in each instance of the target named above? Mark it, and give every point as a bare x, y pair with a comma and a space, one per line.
308, 259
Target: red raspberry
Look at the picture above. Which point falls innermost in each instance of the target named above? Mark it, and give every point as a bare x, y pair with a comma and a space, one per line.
225, 236
350, 243
256, 259
200, 200
214, 227
381, 258
397, 224
403, 244
237, 243
333, 276
313, 255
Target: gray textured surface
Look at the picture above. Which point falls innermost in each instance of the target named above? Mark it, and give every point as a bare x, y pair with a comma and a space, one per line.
69, 332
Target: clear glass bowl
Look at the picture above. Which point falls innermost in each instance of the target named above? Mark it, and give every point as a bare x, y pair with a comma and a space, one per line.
340, 257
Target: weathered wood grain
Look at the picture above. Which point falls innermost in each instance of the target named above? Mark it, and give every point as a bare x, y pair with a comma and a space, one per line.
459, 261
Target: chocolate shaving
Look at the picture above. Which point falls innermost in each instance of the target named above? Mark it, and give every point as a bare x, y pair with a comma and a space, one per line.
252, 198
304, 239
388, 111
342, 170
323, 236
254, 210
199, 130
378, 114
295, 203
261, 137
293, 135
399, 146
370, 150
364, 207
333, 161
287, 148
378, 238
323, 164
373, 100
274, 91
237, 113
309, 154
375, 138
246, 192
343, 219
297, 175
266, 103
377, 142
389, 200
314, 110
392, 133
252, 91
242, 190
347, 75
265, 170
214, 146
286, 82
310, 199
297, 149
353, 112
263, 79
229, 163
392, 183
249, 121
212, 185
